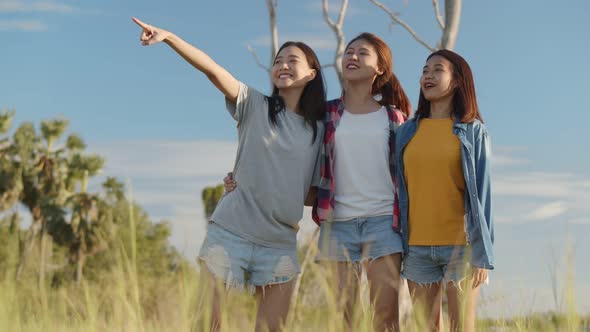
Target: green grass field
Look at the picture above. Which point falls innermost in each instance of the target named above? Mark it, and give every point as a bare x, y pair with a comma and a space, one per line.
121, 300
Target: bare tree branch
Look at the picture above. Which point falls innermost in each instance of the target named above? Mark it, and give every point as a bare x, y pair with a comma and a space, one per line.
340, 39
271, 5
439, 17
274, 34
251, 50
452, 19
397, 20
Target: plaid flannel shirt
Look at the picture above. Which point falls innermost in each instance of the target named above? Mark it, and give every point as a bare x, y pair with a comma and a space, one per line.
324, 205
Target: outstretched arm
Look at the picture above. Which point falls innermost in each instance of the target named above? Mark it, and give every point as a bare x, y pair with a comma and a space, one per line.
220, 77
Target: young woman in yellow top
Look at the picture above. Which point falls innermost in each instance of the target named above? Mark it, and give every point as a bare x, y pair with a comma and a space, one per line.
443, 170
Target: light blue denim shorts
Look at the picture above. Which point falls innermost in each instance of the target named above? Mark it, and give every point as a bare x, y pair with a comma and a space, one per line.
358, 239
433, 264
240, 263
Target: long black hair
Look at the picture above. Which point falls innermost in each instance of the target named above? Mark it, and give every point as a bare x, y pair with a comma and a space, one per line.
312, 103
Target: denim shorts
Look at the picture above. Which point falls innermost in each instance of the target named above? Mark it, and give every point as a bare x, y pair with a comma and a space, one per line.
241, 263
357, 239
433, 264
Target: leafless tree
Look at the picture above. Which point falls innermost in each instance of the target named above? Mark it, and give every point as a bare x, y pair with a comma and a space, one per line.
449, 23
335, 26
340, 39
271, 5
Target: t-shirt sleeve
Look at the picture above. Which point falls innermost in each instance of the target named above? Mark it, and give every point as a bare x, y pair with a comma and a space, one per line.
248, 100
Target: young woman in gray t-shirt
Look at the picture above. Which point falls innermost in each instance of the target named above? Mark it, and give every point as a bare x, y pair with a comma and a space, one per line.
251, 238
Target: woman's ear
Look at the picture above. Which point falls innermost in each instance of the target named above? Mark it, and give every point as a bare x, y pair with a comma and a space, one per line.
312, 75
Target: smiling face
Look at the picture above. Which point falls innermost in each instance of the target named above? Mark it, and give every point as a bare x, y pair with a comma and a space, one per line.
291, 69
360, 61
436, 81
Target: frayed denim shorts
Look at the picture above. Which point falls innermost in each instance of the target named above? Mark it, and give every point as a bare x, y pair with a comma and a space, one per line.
433, 264
358, 239
240, 263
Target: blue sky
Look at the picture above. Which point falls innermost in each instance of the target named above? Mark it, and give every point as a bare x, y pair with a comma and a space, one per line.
162, 126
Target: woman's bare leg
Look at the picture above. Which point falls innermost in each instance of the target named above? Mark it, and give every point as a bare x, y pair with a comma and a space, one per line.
462, 300
384, 281
273, 306
427, 300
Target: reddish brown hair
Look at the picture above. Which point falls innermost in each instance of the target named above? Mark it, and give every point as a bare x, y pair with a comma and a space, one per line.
387, 85
464, 101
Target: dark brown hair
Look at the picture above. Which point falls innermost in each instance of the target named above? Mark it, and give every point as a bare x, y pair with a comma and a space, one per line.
312, 103
464, 102
387, 85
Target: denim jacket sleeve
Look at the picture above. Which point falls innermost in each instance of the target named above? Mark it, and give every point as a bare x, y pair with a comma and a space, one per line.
484, 186
482, 159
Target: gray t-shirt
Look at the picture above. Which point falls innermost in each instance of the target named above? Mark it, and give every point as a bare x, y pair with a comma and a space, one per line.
275, 167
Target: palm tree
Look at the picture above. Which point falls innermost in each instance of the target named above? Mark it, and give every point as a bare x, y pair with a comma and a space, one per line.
10, 184
91, 221
114, 190
210, 197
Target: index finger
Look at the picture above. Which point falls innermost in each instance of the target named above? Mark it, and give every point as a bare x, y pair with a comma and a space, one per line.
475, 283
140, 23
479, 278
476, 278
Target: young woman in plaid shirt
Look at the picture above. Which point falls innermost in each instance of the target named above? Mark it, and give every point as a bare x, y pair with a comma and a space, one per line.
356, 204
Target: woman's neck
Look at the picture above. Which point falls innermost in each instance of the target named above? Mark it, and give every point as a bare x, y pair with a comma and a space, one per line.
358, 97
441, 109
291, 98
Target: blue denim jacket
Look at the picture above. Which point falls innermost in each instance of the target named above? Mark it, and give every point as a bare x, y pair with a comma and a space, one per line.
475, 157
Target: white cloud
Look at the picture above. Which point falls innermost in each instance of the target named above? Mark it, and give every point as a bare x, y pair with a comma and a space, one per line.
22, 25
45, 6
510, 149
167, 177
168, 159
531, 184
532, 195
501, 160
509, 156
540, 184
547, 211
526, 210
571, 187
